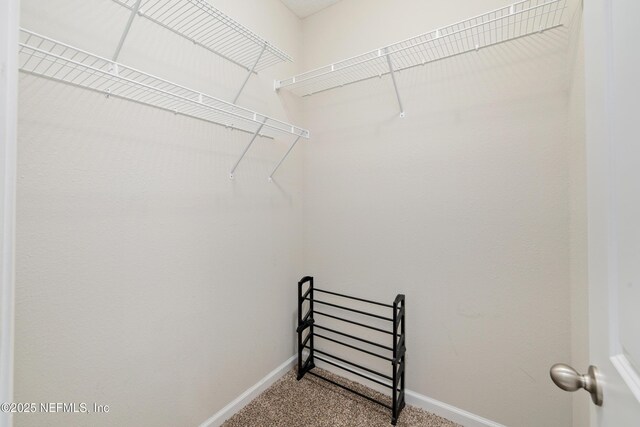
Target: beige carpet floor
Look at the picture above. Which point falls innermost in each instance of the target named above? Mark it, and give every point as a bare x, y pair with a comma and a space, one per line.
312, 402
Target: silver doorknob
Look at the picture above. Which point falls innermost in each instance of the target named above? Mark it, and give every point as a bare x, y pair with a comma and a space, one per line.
567, 378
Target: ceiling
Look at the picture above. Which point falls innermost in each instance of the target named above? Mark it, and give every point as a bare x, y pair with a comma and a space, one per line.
304, 8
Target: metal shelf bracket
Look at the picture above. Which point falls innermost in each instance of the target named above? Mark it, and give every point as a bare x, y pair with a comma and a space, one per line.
395, 84
283, 157
246, 149
253, 67
125, 33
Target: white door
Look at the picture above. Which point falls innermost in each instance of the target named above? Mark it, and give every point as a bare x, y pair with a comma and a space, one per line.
612, 76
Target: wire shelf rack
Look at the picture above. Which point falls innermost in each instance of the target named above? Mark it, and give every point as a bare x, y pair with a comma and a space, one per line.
42, 56
204, 25
508, 23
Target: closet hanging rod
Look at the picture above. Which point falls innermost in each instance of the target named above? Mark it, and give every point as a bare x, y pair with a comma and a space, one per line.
45, 57
511, 22
204, 25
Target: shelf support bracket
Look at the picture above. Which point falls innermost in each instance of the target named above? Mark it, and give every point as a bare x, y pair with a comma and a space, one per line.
255, 64
253, 138
284, 157
395, 85
125, 33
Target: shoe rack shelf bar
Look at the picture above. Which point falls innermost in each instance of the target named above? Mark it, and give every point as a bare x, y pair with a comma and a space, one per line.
392, 350
45, 57
520, 19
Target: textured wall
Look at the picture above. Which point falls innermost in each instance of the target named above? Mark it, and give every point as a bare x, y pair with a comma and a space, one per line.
463, 205
147, 280
135, 250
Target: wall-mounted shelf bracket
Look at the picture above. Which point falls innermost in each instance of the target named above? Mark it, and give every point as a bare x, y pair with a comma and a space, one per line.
395, 84
253, 138
283, 157
255, 64
125, 33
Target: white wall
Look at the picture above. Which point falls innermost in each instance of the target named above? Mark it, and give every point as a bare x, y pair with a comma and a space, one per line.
135, 250
146, 279
464, 205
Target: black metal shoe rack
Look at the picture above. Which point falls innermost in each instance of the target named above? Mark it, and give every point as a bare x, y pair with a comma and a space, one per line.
307, 331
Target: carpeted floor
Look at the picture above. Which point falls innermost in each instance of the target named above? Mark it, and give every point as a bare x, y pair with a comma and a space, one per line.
312, 402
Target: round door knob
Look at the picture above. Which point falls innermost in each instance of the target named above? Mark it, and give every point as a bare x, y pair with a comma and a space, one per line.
567, 378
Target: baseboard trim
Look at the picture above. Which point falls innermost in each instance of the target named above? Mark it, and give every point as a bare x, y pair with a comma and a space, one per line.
450, 412
251, 393
457, 415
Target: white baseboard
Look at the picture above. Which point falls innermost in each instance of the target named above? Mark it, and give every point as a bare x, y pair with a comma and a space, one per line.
241, 401
457, 415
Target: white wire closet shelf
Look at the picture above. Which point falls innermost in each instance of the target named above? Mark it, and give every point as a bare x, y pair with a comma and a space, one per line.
508, 23
204, 25
46, 57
